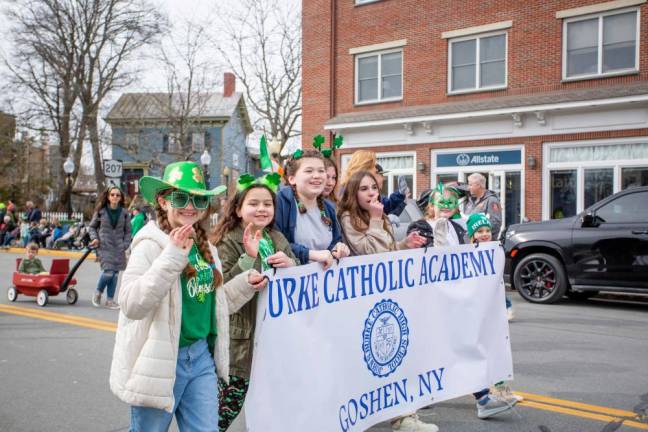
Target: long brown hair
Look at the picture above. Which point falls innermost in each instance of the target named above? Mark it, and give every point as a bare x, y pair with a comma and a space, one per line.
349, 204
103, 201
292, 166
328, 163
202, 241
229, 220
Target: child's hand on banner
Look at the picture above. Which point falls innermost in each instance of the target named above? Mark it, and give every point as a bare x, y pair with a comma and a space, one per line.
415, 240
256, 280
341, 251
280, 260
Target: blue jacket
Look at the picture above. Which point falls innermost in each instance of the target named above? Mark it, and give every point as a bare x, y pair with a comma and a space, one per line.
286, 221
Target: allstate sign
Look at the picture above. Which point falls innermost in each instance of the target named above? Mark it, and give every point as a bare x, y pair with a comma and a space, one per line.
481, 158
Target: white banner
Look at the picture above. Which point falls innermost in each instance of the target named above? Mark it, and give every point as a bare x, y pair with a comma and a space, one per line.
376, 337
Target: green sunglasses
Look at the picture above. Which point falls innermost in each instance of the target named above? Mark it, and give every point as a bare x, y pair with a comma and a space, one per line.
180, 200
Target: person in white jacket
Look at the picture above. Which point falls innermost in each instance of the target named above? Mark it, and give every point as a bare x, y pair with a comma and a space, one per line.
173, 331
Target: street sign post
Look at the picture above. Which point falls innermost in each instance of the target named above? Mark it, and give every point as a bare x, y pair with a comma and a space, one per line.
113, 168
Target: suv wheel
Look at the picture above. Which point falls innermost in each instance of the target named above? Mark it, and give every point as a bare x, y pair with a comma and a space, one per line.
540, 278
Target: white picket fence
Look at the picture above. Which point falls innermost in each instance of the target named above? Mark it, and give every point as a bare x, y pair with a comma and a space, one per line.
58, 215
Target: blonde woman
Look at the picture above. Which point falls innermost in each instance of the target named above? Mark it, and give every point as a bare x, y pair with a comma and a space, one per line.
365, 160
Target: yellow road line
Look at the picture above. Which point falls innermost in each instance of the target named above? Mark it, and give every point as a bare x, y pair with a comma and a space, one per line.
545, 403
582, 414
60, 318
578, 405
50, 252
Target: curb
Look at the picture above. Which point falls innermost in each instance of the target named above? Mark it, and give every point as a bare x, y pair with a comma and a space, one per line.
50, 252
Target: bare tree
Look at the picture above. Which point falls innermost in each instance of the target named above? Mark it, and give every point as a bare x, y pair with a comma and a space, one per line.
44, 68
190, 75
109, 33
262, 45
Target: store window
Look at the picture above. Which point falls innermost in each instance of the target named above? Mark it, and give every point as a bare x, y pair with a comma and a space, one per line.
379, 77
563, 194
401, 171
598, 185
447, 178
580, 174
601, 44
634, 177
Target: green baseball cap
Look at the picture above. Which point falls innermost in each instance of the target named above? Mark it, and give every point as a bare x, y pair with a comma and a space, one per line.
185, 176
476, 221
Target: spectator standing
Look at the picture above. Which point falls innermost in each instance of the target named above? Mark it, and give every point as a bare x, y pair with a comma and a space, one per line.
482, 200
6, 229
32, 212
110, 233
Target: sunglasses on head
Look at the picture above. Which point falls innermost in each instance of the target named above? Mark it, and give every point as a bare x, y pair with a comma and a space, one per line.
180, 200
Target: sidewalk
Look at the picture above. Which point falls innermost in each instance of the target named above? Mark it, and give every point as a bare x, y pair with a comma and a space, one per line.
50, 252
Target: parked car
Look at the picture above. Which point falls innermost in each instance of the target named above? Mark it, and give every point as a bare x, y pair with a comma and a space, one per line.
604, 248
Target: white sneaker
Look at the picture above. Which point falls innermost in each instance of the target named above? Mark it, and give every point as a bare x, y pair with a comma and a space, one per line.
110, 304
503, 391
412, 423
96, 299
490, 405
509, 313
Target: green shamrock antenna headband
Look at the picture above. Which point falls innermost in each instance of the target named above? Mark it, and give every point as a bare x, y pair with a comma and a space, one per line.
271, 181
319, 140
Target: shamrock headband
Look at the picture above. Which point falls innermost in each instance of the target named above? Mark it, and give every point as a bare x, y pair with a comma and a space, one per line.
318, 142
271, 181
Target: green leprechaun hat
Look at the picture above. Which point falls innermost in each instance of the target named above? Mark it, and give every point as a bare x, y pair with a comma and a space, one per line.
185, 176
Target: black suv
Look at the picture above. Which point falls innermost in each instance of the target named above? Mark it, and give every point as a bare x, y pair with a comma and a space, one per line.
605, 248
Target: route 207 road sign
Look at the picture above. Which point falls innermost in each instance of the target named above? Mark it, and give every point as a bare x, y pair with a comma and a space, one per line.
113, 168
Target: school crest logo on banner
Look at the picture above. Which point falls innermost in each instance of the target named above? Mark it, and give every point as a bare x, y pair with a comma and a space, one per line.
385, 338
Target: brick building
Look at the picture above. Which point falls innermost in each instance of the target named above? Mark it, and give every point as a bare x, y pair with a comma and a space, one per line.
548, 99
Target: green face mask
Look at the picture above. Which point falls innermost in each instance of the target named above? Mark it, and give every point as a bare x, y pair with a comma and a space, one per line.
446, 203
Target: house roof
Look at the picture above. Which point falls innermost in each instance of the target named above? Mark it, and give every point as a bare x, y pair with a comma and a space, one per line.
156, 107
497, 103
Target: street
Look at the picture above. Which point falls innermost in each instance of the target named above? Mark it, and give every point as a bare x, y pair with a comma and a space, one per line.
580, 366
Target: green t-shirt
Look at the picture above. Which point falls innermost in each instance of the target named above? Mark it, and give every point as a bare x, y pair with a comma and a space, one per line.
198, 303
31, 266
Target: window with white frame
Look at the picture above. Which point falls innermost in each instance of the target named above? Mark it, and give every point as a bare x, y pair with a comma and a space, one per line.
398, 167
197, 141
601, 44
477, 62
360, 2
379, 76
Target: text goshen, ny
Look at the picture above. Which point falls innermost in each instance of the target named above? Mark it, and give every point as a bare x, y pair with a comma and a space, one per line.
289, 295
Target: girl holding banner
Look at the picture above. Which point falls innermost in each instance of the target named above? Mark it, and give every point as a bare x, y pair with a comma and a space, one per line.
367, 230
173, 331
303, 216
246, 240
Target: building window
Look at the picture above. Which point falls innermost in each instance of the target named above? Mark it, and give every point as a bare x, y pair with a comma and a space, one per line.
401, 169
171, 144
361, 2
198, 141
132, 140
580, 174
477, 63
379, 77
603, 44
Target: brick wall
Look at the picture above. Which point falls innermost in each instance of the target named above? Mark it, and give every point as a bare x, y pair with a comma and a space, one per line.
532, 146
534, 49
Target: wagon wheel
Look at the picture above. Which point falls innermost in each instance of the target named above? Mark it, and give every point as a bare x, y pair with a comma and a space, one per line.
42, 297
12, 294
72, 296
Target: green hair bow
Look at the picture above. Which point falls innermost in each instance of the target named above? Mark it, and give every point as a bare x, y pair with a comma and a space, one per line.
271, 181
318, 142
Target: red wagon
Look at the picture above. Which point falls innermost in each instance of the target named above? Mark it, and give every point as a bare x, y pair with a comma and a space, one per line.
60, 280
